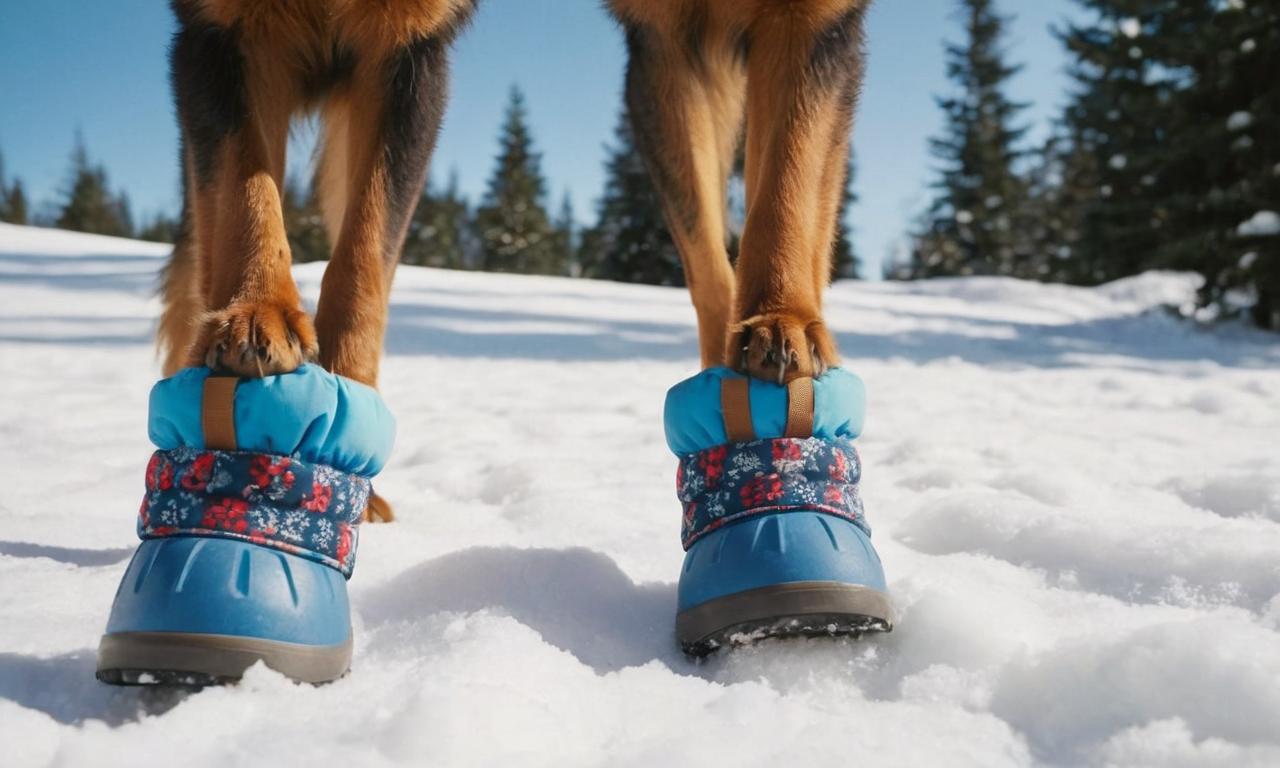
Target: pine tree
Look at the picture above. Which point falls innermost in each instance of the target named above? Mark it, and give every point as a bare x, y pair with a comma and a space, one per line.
160, 229
1056, 202
1221, 183
564, 232
4, 193
15, 204
630, 242
1114, 138
304, 221
88, 205
975, 223
439, 231
844, 261
512, 223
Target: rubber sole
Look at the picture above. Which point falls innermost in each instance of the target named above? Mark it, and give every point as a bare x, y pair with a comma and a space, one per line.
188, 659
796, 609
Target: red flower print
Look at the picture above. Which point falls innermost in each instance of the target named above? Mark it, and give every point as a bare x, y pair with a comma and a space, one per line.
680, 478
786, 450
761, 490
197, 478
344, 542
839, 470
690, 510
159, 474
153, 469
258, 467
320, 497
226, 513
711, 462
833, 494
264, 469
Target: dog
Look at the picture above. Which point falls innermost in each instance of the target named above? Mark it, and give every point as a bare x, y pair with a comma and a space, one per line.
701, 74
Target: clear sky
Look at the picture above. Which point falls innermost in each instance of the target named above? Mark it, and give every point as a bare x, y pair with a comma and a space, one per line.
100, 66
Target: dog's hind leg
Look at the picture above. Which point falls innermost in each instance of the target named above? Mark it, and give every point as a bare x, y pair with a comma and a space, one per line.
804, 71
234, 109
686, 86
380, 132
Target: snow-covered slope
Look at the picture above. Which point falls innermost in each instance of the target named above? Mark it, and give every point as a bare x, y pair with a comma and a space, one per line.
1076, 496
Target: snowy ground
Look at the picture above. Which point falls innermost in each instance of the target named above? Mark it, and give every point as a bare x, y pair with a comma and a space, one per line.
1077, 501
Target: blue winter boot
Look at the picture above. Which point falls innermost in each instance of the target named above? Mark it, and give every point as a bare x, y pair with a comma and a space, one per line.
249, 528
774, 533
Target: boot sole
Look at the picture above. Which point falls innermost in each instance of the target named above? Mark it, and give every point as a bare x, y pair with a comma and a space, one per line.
796, 609
191, 659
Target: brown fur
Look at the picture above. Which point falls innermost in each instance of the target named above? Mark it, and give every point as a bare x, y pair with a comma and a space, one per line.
703, 66
796, 66
242, 70
250, 319
699, 70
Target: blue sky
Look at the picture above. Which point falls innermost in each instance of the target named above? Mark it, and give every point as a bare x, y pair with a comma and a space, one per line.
100, 66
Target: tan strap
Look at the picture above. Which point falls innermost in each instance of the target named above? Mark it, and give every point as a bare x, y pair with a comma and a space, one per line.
799, 408
218, 413
735, 405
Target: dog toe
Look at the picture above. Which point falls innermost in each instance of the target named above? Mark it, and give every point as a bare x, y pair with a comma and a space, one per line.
256, 339
780, 347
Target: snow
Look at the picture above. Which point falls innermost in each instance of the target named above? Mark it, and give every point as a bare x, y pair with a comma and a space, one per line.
1076, 495
1240, 120
1261, 224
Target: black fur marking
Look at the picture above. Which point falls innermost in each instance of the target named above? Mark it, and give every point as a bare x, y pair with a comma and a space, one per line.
337, 70
416, 97
741, 43
695, 34
208, 72
838, 56
187, 11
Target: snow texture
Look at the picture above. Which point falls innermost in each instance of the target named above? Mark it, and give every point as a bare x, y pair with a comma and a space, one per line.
1238, 121
1261, 224
1076, 496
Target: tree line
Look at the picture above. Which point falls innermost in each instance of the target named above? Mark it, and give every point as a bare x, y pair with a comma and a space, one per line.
86, 203
511, 229
1166, 155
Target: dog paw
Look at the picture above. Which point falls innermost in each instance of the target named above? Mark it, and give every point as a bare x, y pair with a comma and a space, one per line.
256, 339
779, 346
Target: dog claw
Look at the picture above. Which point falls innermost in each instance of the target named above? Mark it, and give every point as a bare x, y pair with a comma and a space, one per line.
258, 339
215, 353
780, 347
819, 365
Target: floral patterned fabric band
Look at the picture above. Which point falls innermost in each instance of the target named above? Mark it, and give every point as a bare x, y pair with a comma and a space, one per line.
309, 510
730, 482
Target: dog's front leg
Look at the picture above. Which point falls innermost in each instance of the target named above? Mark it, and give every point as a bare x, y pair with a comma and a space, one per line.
379, 135
685, 99
804, 71
234, 111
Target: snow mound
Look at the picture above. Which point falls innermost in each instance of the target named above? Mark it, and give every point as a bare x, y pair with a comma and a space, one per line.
1075, 494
